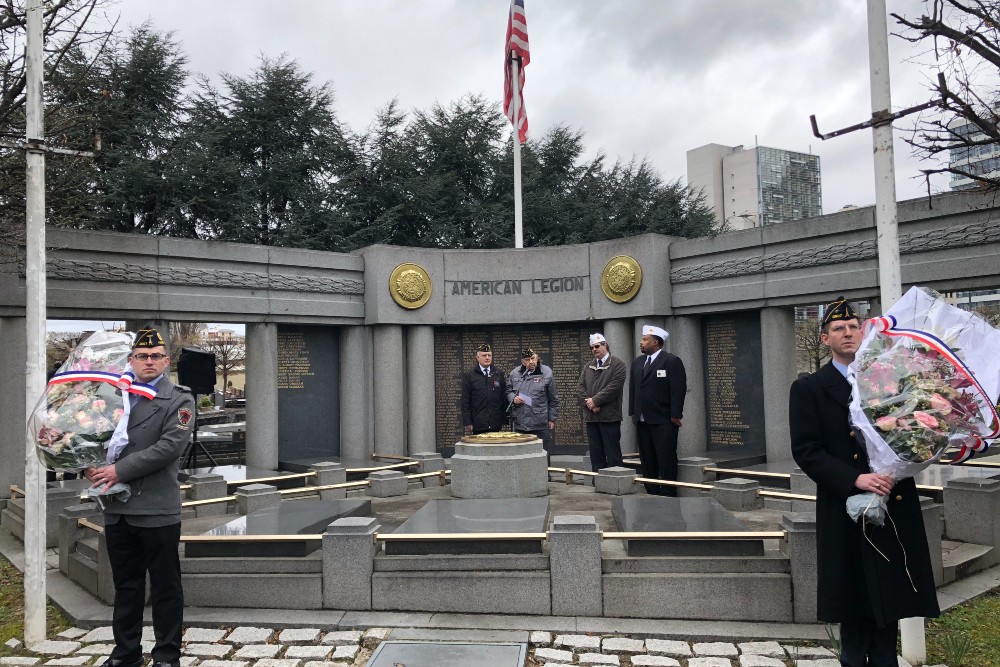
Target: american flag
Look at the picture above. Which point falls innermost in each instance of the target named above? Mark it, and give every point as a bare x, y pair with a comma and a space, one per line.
517, 47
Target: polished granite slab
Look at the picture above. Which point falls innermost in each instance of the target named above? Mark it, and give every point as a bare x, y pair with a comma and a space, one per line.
656, 514
467, 515
447, 654
237, 473
297, 517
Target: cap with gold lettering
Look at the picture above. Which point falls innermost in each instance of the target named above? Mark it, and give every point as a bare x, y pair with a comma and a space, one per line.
485, 347
527, 353
839, 310
148, 338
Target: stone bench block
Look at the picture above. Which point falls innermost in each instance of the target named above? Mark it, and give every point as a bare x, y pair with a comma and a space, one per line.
737, 494
616, 481
387, 484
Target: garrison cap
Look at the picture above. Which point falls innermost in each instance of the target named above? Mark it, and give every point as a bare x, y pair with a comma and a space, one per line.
839, 310
148, 338
650, 330
485, 347
527, 353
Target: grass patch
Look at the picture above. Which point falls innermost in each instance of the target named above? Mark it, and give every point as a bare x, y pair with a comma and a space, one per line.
12, 608
977, 620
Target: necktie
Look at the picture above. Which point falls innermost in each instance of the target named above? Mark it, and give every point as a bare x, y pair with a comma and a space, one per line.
645, 366
486, 372
600, 362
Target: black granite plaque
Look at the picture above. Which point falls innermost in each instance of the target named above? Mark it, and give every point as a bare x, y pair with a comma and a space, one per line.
734, 389
308, 392
448, 654
473, 515
562, 347
662, 514
298, 517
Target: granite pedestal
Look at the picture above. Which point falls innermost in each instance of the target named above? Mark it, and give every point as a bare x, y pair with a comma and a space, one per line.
238, 473
298, 517
516, 515
657, 514
498, 465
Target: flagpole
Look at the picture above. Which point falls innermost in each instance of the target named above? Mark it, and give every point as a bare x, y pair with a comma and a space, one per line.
515, 85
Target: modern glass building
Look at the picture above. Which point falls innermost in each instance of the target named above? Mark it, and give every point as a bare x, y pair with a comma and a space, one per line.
756, 186
980, 160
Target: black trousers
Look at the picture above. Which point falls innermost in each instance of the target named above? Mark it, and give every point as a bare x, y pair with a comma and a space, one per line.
864, 644
658, 455
605, 439
133, 551
545, 435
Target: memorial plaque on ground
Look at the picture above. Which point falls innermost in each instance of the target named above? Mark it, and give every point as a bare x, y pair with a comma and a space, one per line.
563, 347
308, 392
661, 514
447, 654
734, 389
291, 517
473, 515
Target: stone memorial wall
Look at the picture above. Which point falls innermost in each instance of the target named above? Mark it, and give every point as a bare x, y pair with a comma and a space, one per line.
563, 347
308, 392
734, 383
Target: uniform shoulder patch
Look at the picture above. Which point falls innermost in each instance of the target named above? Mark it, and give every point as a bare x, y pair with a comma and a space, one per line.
183, 388
184, 416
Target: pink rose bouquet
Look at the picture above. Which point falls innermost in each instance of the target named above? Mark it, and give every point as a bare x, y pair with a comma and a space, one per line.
82, 404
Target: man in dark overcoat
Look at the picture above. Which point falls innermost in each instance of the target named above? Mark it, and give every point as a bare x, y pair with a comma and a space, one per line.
143, 532
857, 587
484, 394
658, 385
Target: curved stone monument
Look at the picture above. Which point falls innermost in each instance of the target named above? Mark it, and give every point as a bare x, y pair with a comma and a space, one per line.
499, 465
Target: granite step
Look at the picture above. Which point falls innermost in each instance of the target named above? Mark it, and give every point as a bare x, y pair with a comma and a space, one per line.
87, 548
961, 559
13, 522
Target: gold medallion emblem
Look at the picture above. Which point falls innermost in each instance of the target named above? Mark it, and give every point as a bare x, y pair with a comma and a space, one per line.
410, 285
621, 278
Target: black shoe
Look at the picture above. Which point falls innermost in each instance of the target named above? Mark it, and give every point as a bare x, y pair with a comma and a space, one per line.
113, 662
165, 664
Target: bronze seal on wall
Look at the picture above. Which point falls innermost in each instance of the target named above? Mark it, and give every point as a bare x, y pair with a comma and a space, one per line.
621, 278
410, 285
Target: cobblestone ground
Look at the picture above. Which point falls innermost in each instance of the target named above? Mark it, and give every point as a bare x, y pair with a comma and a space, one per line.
310, 647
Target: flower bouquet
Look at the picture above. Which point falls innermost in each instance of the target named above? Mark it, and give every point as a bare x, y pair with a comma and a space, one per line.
925, 379
82, 404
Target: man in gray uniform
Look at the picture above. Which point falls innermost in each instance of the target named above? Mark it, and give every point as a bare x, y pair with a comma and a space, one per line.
143, 532
531, 393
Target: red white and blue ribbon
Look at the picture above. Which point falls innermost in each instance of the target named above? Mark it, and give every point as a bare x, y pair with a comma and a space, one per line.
976, 444
124, 381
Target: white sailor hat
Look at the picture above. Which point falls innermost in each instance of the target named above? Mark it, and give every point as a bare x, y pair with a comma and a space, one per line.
596, 338
650, 330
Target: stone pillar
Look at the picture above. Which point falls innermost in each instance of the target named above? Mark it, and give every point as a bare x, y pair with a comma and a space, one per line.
737, 495
616, 481
205, 486
800, 548
70, 531
420, 431
56, 500
390, 385
692, 469
329, 473
387, 483
253, 497
262, 395
348, 563
686, 342
13, 366
623, 343
972, 510
777, 345
430, 463
575, 566
356, 437
931, 512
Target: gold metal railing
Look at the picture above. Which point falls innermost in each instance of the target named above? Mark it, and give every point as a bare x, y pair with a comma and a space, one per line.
704, 535
783, 494
748, 473
273, 478
87, 523
15, 490
667, 482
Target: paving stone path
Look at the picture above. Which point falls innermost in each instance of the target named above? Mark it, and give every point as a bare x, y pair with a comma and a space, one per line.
311, 647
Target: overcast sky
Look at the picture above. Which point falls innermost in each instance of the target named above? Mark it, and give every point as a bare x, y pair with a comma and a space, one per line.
644, 78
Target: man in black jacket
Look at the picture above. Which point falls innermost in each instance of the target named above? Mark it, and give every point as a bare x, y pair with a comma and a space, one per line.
484, 394
868, 576
658, 385
143, 532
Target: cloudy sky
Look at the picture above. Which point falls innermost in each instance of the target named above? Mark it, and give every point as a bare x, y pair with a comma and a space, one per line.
644, 78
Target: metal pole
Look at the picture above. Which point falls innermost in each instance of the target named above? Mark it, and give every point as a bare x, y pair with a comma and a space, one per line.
914, 646
518, 222
890, 282
34, 481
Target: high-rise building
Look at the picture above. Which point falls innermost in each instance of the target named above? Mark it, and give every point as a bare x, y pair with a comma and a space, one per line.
756, 186
979, 160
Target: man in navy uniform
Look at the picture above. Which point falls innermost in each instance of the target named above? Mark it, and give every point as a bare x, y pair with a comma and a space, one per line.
484, 394
658, 385
143, 532
868, 576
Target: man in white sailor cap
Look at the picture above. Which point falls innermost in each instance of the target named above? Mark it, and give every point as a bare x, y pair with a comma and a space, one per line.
658, 385
600, 388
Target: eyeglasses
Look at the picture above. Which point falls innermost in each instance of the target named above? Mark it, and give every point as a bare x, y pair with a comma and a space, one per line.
594, 347
142, 356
